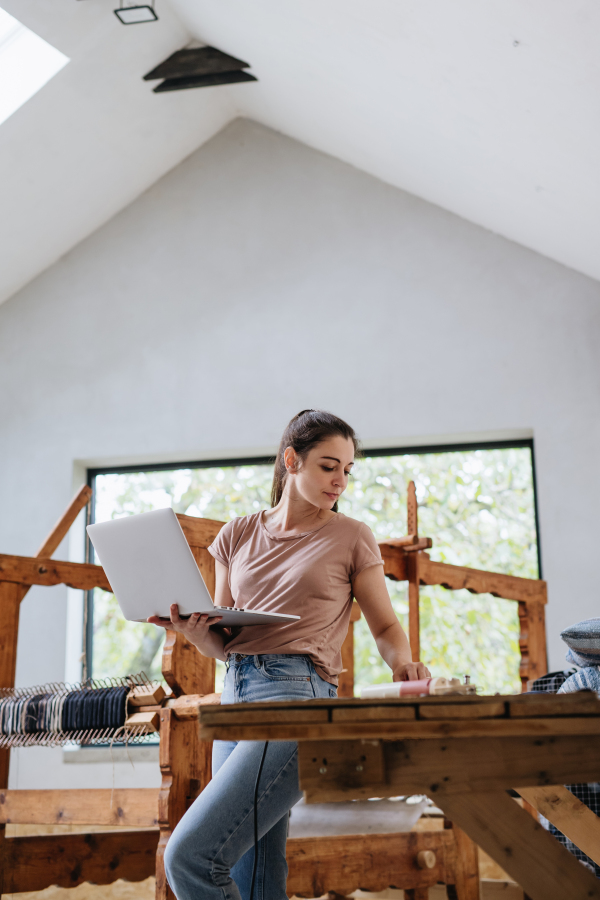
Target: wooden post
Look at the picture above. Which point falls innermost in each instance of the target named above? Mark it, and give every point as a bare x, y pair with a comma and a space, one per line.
414, 627
185, 761
346, 679
412, 573
532, 641
10, 598
184, 775
466, 885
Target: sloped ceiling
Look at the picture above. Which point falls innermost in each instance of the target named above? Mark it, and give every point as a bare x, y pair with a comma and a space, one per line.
487, 109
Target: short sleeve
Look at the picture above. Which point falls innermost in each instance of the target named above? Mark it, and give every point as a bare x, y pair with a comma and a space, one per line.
222, 546
366, 551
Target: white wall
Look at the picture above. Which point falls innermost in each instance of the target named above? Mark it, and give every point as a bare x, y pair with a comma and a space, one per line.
260, 277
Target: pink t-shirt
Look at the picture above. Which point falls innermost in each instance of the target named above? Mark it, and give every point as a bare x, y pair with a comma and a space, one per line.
307, 575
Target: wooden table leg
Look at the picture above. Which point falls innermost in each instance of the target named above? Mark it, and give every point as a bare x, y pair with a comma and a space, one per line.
416, 894
466, 886
536, 861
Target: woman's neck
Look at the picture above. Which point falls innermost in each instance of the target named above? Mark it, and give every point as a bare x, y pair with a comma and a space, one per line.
295, 515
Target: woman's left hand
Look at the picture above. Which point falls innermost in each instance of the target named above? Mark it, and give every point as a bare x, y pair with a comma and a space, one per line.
412, 671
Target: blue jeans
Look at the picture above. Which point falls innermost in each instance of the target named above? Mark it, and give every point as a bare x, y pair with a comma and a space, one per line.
211, 852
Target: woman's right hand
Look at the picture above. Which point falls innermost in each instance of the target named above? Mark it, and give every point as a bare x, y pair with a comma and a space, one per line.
196, 629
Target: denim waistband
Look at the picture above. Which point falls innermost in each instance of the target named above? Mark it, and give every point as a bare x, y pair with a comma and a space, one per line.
237, 659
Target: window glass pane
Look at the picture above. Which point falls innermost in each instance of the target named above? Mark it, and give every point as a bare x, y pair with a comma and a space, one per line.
477, 505
121, 647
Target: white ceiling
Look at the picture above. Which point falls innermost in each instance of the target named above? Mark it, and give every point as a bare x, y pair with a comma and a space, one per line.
490, 110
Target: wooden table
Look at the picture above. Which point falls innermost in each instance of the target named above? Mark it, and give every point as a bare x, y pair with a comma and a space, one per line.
463, 752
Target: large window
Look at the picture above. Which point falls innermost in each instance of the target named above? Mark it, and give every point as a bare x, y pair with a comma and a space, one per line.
477, 503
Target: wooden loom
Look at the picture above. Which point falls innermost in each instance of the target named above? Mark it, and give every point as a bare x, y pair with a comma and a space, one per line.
143, 819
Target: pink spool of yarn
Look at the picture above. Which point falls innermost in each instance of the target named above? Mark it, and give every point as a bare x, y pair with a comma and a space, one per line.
414, 688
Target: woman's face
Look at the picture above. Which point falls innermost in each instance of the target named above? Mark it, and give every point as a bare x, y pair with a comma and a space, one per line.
323, 476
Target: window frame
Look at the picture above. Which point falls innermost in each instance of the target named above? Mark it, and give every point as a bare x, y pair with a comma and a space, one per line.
420, 449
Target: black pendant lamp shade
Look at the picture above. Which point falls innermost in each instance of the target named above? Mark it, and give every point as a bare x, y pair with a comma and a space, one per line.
198, 67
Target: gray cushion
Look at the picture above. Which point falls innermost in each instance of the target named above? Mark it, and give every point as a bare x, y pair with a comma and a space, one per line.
583, 636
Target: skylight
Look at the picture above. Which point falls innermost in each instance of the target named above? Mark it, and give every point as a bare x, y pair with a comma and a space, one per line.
27, 62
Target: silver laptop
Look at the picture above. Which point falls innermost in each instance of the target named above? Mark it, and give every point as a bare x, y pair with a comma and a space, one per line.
149, 564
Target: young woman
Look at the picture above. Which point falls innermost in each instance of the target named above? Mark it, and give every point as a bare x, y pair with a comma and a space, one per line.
300, 557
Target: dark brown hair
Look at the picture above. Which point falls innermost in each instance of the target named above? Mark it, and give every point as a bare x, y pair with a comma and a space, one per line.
305, 431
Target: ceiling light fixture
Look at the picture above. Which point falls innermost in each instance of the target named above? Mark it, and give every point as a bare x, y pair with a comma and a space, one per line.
195, 67
135, 15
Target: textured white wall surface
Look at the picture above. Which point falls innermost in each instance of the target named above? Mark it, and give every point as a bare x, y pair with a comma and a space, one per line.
260, 277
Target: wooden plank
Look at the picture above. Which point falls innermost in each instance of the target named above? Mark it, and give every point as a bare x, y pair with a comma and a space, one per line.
408, 540
341, 765
28, 570
147, 721
35, 863
371, 862
462, 711
147, 695
186, 707
269, 716
581, 703
373, 714
60, 530
536, 861
200, 533
440, 767
568, 814
122, 807
455, 578
397, 730
394, 561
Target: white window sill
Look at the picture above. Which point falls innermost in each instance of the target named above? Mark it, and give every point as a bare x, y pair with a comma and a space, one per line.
135, 754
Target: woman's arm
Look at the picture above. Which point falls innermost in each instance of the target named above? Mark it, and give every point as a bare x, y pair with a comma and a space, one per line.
209, 641
371, 594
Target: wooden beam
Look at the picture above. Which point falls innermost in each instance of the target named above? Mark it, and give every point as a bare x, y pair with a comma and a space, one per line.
441, 767
186, 707
535, 859
568, 814
136, 807
28, 570
477, 581
372, 862
60, 530
35, 863
219, 729
394, 561
199, 533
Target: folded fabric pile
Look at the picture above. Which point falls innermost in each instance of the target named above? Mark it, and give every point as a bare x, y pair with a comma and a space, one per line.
583, 641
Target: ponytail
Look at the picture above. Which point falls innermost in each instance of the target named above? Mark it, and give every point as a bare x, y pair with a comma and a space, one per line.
307, 429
